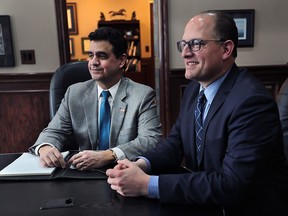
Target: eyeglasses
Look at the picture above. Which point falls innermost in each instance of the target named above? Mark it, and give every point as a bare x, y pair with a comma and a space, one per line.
194, 44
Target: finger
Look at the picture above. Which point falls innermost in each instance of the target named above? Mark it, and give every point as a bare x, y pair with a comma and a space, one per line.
124, 163
74, 157
109, 172
51, 160
43, 163
62, 162
57, 159
112, 182
119, 167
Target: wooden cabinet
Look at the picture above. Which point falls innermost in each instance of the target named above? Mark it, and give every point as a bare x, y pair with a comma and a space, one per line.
131, 31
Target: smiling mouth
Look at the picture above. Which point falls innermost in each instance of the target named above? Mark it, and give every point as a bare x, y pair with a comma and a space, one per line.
96, 70
192, 63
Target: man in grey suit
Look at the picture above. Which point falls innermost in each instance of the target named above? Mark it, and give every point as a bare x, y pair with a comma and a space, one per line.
135, 126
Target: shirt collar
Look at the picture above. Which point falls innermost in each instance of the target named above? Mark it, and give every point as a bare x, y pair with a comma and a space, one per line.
112, 90
212, 89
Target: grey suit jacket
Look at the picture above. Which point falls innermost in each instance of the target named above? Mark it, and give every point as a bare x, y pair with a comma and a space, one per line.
135, 126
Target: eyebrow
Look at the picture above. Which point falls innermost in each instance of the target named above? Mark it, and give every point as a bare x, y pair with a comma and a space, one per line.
99, 53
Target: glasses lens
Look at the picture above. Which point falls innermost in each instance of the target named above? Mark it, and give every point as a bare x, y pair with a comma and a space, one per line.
194, 45
180, 45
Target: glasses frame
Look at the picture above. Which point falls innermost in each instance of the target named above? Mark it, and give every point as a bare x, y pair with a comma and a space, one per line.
194, 44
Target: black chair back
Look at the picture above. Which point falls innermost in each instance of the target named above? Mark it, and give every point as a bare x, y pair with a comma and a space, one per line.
63, 77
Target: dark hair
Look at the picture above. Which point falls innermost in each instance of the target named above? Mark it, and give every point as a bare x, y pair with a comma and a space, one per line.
113, 36
225, 28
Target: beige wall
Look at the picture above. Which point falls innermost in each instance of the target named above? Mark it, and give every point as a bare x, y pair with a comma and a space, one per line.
33, 25
88, 12
271, 29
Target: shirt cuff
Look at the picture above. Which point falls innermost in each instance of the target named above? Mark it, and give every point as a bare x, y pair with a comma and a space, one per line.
40, 145
153, 188
148, 169
119, 153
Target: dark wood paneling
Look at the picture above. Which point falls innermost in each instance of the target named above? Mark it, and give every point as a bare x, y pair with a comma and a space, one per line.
24, 111
147, 74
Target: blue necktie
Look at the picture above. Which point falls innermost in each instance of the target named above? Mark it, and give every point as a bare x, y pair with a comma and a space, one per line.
104, 121
199, 123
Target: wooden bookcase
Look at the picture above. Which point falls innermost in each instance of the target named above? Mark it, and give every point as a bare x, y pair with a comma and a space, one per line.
131, 30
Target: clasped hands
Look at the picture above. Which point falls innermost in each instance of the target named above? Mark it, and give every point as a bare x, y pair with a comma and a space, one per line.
128, 178
84, 160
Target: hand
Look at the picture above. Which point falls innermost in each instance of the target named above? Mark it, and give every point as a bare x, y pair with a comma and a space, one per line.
128, 179
51, 157
88, 159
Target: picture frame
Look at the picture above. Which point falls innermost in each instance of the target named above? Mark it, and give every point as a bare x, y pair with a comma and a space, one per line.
244, 20
72, 18
71, 46
6, 43
85, 42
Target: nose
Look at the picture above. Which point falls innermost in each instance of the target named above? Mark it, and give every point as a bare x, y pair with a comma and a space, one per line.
186, 51
95, 60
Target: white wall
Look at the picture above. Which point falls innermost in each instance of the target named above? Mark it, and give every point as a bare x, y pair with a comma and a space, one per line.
33, 25
271, 29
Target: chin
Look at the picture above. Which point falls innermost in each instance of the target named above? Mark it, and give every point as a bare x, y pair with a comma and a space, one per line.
190, 76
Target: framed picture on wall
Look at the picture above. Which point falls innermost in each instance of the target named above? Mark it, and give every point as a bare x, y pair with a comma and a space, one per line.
85, 42
244, 20
72, 18
71, 46
6, 43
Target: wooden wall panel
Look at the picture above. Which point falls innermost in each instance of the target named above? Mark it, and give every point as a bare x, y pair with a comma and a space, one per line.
24, 110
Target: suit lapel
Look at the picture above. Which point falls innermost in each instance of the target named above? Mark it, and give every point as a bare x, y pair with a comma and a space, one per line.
118, 112
90, 103
219, 99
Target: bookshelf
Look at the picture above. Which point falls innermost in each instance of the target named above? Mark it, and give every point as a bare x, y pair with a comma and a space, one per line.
131, 30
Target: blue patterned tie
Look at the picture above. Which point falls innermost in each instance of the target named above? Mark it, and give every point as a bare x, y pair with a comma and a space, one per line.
199, 123
104, 121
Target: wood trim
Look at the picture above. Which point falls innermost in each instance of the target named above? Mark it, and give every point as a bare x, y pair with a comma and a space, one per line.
25, 82
62, 30
164, 67
24, 109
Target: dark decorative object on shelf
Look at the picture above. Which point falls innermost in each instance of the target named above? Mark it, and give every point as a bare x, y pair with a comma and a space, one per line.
102, 16
133, 17
121, 12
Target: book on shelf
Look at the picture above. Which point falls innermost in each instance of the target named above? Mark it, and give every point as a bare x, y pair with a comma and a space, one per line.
133, 65
130, 48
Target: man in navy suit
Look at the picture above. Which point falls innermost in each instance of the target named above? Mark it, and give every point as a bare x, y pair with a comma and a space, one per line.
241, 168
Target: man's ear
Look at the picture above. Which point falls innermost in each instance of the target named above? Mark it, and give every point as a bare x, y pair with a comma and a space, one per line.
123, 60
228, 47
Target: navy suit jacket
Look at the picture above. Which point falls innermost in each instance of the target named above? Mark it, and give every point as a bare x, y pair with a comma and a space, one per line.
242, 167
